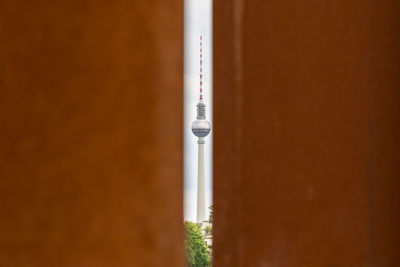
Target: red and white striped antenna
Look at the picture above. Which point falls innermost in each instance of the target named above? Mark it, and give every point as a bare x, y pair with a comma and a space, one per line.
201, 68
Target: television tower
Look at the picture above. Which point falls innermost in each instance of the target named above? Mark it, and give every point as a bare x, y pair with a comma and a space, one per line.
201, 128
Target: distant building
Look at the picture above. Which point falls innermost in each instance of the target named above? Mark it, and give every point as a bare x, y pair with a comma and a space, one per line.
207, 236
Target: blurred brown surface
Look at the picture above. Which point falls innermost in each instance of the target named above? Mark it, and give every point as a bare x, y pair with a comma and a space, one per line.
91, 133
307, 133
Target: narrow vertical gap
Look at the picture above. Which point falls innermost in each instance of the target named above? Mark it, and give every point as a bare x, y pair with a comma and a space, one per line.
198, 22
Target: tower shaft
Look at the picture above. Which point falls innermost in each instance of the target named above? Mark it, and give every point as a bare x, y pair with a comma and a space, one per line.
201, 196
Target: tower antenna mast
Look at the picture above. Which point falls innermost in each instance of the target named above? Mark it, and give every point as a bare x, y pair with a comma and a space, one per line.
201, 68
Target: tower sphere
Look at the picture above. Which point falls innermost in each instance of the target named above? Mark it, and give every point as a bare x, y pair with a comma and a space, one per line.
201, 127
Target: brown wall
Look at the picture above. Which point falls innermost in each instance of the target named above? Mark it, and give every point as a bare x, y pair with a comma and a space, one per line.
306, 128
90, 159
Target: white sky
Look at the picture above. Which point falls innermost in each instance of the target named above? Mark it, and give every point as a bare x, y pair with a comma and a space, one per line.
198, 21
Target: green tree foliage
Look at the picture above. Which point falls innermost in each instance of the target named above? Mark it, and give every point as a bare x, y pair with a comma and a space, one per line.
198, 254
211, 214
207, 230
